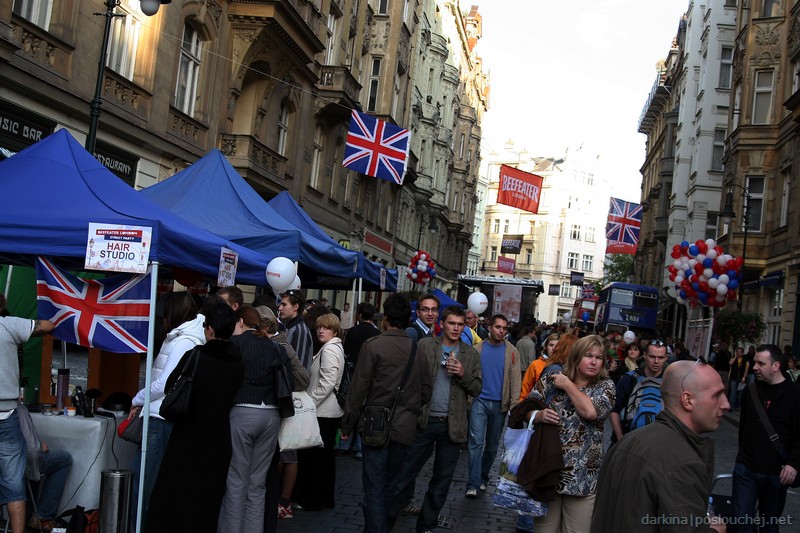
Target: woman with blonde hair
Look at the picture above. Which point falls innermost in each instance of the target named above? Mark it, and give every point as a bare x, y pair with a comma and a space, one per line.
316, 481
580, 399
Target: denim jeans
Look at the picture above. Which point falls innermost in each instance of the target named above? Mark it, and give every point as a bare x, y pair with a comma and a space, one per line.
750, 488
734, 396
434, 438
524, 522
379, 477
158, 434
55, 465
12, 460
485, 427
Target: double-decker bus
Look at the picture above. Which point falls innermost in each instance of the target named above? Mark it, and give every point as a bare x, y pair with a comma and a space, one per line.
585, 305
624, 306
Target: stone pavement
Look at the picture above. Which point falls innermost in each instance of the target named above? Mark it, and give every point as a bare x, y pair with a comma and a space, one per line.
459, 513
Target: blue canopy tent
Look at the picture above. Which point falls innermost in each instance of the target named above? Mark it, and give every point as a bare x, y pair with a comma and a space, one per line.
54, 189
369, 271
211, 194
445, 300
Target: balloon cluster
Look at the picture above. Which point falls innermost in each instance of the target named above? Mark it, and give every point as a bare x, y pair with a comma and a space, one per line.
703, 274
421, 268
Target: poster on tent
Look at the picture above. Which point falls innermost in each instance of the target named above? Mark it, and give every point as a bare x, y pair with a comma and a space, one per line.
118, 248
228, 261
507, 300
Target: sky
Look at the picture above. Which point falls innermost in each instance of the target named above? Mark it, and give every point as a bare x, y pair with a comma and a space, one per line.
566, 73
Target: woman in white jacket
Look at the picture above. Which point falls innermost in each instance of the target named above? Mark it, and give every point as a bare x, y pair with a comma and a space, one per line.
317, 466
185, 330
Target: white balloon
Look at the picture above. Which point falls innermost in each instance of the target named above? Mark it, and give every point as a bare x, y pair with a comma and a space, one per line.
677, 264
712, 254
708, 273
692, 263
724, 279
629, 337
722, 290
700, 257
713, 283
678, 280
281, 273
423, 257
721, 260
413, 276
711, 243
477, 302
422, 268
296, 284
566, 316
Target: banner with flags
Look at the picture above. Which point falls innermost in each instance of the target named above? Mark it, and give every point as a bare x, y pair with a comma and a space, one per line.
376, 148
111, 314
622, 230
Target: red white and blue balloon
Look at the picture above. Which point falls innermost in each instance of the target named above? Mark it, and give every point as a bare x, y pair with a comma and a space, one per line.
703, 274
421, 269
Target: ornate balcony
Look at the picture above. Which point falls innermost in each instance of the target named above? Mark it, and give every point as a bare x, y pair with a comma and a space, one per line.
264, 167
338, 91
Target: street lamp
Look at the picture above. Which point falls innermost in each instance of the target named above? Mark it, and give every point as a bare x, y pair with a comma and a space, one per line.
727, 214
149, 8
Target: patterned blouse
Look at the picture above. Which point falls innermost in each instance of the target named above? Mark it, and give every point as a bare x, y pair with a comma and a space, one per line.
581, 440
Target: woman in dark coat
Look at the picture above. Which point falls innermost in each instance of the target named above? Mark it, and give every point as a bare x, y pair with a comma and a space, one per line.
191, 482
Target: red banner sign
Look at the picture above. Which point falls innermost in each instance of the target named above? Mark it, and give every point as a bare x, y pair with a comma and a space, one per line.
519, 189
506, 265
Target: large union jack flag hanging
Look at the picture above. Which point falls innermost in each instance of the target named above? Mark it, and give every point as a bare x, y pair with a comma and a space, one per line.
622, 230
376, 148
111, 314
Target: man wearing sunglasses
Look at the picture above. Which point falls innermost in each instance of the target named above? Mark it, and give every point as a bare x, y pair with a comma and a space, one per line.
638, 392
766, 467
667, 466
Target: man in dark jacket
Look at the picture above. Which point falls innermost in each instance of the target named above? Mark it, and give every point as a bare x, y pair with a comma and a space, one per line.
365, 329
762, 474
665, 467
378, 374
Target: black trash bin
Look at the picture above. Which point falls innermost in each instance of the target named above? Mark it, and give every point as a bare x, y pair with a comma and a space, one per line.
115, 490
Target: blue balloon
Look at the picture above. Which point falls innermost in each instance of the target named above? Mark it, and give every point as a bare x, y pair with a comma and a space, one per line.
732, 274
689, 273
702, 296
695, 286
433, 273
414, 270
682, 294
733, 284
708, 263
585, 316
684, 244
693, 250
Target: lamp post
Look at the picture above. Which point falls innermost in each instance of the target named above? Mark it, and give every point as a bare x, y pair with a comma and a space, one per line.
149, 8
727, 214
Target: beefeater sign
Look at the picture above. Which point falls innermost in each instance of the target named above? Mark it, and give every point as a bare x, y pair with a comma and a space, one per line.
519, 189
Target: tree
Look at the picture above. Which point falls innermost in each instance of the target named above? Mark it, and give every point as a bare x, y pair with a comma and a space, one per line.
734, 327
617, 267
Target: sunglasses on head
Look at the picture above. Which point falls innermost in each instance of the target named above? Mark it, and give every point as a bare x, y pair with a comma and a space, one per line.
699, 360
657, 342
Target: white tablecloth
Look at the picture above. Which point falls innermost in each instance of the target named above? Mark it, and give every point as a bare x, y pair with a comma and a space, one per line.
94, 446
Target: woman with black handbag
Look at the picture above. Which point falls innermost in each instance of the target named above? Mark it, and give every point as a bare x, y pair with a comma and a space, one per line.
191, 482
255, 421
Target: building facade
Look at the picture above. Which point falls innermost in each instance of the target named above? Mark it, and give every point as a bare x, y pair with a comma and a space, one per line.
272, 85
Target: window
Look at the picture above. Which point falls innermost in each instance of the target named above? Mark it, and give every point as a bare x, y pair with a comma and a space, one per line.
124, 41
770, 8
588, 263
35, 11
589, 234
774, 317
283, 129
755, 186
785, 193
719, 149
316, 156
777, 304
383, 7
396, 96
572, 260
726, 67
496, 226
330, 51
188, 70
505, 227
762, 96
795, 76
461, 147
528, 256
406, 12
712, 221
374, 81
566, 289
575, 232
493, 256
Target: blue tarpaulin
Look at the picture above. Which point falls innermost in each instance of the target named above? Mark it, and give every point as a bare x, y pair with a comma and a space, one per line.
211, 194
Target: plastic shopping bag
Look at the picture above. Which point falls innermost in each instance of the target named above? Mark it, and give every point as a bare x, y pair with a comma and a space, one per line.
515, 444
510, 495
301, 430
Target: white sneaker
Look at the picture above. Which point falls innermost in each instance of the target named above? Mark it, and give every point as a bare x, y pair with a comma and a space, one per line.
471, 493
483, 487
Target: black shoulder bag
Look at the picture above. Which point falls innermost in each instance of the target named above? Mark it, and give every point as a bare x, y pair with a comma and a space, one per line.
178, 398
378, 420
773, 435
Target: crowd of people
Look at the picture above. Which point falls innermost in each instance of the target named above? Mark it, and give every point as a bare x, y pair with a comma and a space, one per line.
445, 381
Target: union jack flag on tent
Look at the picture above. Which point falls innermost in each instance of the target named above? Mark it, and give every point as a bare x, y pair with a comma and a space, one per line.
376, 148
622, 230
111, 314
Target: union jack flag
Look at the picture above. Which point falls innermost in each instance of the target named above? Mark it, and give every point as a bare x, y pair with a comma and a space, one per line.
376, 148
587, 291
111, 314
622, 230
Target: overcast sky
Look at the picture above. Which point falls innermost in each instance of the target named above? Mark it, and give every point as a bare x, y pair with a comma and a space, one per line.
571, 72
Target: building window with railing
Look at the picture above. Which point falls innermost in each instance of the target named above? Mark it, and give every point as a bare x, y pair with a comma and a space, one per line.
726, 67
572, 260
188, 70
755, 186
575, 232
762, 96
35, 11
719, 149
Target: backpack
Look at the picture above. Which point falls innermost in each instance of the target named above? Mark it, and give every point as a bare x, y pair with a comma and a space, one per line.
645, 401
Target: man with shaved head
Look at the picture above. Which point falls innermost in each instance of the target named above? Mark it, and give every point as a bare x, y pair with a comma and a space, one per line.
666, 467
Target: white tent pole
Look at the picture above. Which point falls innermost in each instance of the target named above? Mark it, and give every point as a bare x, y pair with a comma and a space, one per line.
353, 299
360, 285
148, 371
8, 280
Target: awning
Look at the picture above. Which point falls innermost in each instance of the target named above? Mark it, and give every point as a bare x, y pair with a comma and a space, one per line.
771, 279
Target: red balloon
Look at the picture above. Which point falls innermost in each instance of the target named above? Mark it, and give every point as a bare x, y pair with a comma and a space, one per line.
699, 268
731, 294
675, 255
703, 286
676, 247
703, 248
719, 250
